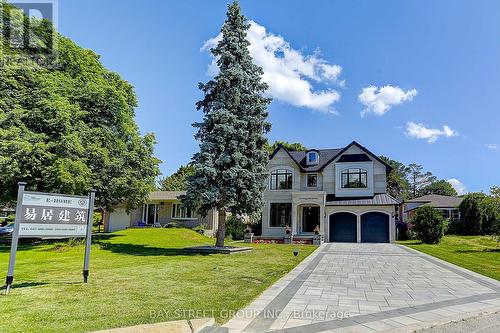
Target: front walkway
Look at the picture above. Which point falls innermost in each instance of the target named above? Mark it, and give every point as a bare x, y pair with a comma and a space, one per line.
352, 287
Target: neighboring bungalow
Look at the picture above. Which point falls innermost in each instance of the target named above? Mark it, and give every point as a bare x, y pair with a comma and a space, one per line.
448, 205
162, 208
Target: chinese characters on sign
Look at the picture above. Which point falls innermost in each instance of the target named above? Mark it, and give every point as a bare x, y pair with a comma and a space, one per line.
41, 215
53, 215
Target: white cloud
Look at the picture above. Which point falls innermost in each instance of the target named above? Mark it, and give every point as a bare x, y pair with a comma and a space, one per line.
419, 131
493, 146
288, 72
458, 186
379, 100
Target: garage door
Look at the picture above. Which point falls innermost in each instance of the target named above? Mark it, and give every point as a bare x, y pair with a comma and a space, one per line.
342, 227
375, 228
118, 220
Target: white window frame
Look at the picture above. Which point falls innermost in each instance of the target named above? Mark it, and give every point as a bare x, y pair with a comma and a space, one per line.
145, 212
182, 209
316, 159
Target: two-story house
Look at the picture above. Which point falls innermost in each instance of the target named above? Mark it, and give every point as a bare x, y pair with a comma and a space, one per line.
343, 191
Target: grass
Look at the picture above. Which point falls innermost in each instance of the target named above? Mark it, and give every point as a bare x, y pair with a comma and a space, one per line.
136, 276
480, 254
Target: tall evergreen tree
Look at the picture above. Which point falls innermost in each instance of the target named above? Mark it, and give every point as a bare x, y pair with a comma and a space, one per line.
397, 180
230, 168
419, 179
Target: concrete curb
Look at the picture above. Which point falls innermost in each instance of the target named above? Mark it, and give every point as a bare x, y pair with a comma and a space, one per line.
177, 326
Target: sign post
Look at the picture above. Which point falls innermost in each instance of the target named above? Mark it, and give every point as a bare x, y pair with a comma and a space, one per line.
88, 242
45, 215
15, 238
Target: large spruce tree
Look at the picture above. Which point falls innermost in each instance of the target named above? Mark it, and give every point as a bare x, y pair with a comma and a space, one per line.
230, 166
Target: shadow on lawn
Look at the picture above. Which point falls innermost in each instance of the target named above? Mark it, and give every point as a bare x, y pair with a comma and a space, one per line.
25, 285
479, 251
142, 250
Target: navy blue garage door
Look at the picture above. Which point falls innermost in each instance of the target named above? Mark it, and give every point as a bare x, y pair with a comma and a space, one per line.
342, 227
375, 228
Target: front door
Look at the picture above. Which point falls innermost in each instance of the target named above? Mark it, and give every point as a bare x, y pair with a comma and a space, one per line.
310, 218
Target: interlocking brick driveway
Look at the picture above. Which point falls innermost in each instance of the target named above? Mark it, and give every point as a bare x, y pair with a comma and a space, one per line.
349, 287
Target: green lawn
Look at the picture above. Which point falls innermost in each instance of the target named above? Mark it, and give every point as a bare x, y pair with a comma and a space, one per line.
480, 254
134, 274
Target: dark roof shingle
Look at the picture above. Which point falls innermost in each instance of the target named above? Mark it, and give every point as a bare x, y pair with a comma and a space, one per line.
436, 200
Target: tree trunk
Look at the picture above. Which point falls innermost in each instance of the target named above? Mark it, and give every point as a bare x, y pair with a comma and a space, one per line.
221, 230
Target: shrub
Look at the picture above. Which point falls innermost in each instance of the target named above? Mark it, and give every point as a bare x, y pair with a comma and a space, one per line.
200, 228
429, 225
470, 213
171, 225
490, 215
235, 227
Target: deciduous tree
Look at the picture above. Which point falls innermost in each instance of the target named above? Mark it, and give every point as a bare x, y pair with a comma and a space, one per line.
441, 187
178, 180
70, 127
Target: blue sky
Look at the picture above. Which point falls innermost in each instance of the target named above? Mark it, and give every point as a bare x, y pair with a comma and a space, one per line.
440, 59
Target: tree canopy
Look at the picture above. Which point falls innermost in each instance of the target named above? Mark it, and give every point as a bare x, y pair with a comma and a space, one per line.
70, 127
441, 187
230, 167
296, 146
178, 180
419, 179
397, 180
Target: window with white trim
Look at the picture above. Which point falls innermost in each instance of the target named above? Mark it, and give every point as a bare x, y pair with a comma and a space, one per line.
354, 178
180, 212
312, 158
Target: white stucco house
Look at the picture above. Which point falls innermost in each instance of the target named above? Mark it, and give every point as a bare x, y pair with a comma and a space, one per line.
343, 191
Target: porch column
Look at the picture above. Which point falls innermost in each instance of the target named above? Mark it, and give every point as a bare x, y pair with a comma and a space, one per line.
294, 225
358, 228
322, 220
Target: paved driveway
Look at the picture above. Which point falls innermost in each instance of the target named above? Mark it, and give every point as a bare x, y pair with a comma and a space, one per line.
349, 287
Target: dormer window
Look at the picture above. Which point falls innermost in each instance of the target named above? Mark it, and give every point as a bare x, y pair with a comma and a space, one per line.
312, 157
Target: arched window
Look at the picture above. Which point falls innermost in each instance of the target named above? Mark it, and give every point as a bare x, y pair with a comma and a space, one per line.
354, 178
281, 180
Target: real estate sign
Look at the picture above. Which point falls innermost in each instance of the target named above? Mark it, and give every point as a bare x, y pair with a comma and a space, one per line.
46, 215
53, 215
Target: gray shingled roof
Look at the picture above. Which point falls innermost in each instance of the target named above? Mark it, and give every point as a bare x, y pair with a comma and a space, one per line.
166, 195
438, 201
382, 199
325, 156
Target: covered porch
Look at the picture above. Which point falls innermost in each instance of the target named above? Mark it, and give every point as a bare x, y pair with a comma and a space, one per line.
308, 212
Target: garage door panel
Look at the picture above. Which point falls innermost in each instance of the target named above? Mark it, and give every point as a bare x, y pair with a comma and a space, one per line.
375, 228
343, 227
